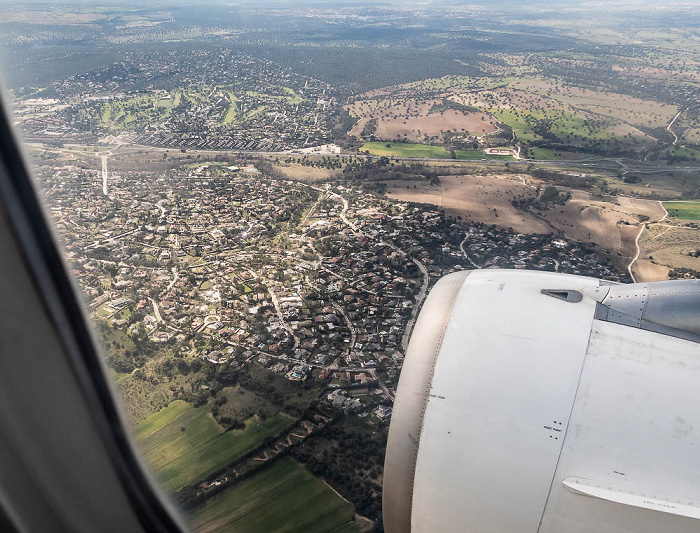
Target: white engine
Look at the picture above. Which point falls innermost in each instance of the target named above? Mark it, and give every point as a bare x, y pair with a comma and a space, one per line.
542, 402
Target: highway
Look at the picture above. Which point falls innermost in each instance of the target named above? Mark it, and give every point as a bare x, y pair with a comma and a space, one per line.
608, 163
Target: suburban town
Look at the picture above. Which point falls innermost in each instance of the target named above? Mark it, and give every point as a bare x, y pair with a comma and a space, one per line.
223, 100
226, 265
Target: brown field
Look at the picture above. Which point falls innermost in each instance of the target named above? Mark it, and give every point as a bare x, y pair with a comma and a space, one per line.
690, 136
585, 220
478, 198
645, 270
294, 171
617, 115
669, 245
629, 109
651, 208
601, 222
611, 225
516, 85
416, 128
505, 98
412, 120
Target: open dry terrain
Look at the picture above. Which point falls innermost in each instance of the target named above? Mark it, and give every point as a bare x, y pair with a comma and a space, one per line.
416, 120
479, 198
304, 173
667, 245
612, 223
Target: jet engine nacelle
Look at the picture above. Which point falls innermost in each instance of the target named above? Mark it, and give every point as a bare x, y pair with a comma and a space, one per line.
543, 402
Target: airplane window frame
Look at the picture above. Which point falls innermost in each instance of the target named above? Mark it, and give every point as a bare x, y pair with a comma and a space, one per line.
28, 223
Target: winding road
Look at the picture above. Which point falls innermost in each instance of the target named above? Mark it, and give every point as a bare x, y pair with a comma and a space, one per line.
464, 253
668, 128
636, 242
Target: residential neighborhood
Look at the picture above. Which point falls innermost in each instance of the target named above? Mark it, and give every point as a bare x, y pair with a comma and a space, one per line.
221, 100
204, 263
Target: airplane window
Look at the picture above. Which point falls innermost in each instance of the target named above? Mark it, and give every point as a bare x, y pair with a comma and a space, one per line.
257, 200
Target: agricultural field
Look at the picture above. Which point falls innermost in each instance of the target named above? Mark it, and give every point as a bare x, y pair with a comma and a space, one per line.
405, 150
184, 444
283, 497
543, 154
684, 210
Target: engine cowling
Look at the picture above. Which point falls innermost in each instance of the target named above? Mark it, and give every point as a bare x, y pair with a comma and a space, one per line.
545, 402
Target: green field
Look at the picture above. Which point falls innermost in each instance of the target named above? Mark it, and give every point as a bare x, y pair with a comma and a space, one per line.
180, 457
543, 153
232, 109
405, 150
394, 149
137, 110
689, 153
250, 115
283, 498
684, 210
141, 110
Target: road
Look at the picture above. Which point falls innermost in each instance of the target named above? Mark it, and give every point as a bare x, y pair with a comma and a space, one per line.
636, 242
113, 238
104, 174
176, 275
574, 162
159, 205
593, 162
461, 247
420, 297
668, 128
344, 217
381, 384
286, 326
348, 323
156, 310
